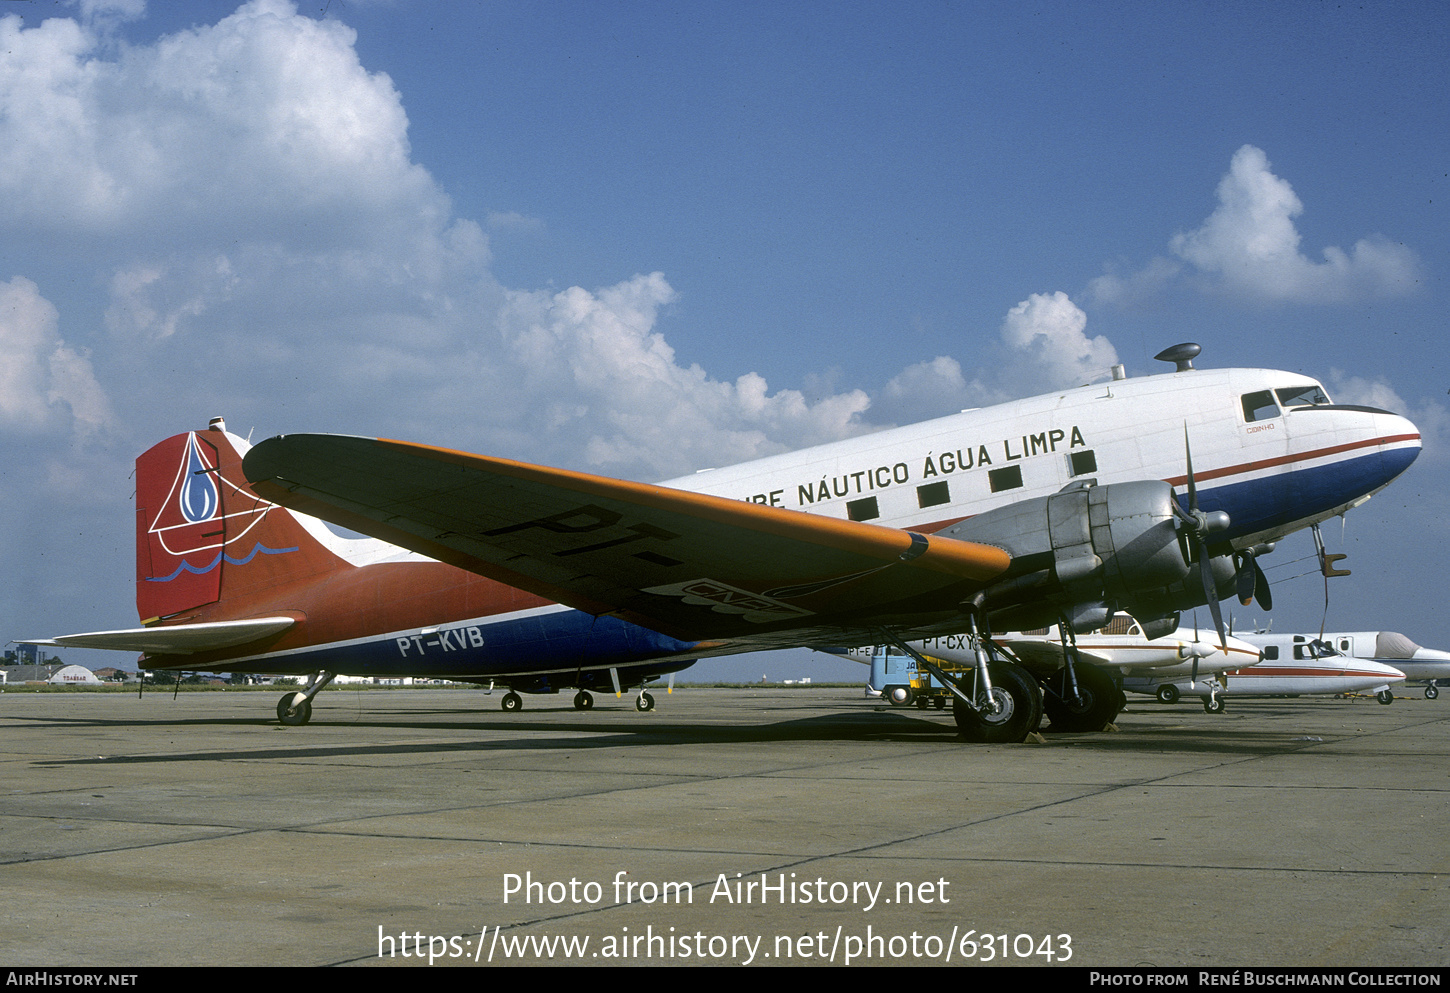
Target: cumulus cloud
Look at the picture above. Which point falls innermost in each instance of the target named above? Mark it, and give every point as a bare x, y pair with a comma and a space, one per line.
263, 123
249, 190
598, 371
1249, 247
1250, 242
1047, 330
40, 376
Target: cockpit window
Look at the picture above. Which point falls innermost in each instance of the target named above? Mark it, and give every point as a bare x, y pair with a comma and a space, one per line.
1260, 406
1308, 395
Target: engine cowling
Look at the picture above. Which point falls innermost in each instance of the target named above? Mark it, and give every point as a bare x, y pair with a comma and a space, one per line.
1088, 550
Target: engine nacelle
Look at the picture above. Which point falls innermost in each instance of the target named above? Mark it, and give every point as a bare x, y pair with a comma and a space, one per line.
1088, 550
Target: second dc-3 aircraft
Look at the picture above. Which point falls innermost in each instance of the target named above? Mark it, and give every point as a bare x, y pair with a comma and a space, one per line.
1061, 508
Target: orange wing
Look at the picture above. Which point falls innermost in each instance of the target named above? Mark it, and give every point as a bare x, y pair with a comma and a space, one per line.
692, 566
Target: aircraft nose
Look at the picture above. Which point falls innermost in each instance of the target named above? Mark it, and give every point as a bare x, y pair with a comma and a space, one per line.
1369, 448
1399, 442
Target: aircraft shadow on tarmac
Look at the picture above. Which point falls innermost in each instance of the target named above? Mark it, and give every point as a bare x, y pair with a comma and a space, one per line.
1170, 731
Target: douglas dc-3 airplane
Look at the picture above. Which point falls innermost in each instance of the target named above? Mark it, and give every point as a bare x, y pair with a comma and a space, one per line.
1058, 507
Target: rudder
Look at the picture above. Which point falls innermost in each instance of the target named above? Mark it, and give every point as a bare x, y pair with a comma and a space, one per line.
202, 535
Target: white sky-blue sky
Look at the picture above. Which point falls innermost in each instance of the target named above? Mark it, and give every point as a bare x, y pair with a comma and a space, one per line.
440, 221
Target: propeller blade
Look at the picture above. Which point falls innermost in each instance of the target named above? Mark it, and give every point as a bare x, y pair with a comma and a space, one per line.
1261, 588
1210, 590
1188, 461
1247, 569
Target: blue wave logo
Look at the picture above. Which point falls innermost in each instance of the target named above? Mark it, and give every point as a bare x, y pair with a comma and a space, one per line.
258, 548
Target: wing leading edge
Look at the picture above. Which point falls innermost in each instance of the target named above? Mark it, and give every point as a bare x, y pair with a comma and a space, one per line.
687, 564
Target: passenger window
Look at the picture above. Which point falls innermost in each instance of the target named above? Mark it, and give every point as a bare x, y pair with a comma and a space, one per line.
1309, 395
933, 494
1005, 479
862, 510
1084, 463
1259, 406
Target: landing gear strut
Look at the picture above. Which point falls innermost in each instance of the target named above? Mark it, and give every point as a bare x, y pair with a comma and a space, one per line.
295, 709
996, 702
1014, 710
1091, 708
1079, 696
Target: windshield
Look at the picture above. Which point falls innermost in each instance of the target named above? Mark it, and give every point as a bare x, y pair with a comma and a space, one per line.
1308, 395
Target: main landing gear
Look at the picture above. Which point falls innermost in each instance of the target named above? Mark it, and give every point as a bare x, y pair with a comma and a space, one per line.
1007, 712
1079, 696
994, 702
295, 709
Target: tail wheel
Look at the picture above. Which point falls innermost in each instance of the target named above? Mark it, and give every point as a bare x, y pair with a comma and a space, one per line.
1018, 707
1094, 705
293, 717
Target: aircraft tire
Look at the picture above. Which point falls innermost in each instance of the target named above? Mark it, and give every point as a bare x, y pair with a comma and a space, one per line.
293, 717
1213, 705
1431, 691
1167, 693
1020, 712
644, 703
1385, 697
583, 700
1099, 704
512, 702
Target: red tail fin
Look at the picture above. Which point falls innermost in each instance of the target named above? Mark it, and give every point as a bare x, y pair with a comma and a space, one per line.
202, 534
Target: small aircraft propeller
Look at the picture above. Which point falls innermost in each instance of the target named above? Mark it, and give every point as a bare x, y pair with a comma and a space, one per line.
1196, 526
1196, 651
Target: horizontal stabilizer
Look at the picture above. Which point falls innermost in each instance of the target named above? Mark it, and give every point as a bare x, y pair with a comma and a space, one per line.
175, 639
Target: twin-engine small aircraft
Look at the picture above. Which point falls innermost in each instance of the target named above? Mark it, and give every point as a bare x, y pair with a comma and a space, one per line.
1056, 509
1388, 648
1306, 666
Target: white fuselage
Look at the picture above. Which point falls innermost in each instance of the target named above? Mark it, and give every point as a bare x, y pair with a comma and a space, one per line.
1290, 665
1131, 652
1385, 647
1273, 464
